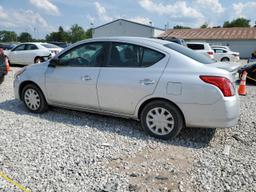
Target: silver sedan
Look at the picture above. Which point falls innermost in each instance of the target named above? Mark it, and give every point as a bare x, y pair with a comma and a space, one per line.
164, 85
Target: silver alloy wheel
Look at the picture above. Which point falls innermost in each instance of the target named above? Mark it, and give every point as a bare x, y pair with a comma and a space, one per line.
160, 121
32, 99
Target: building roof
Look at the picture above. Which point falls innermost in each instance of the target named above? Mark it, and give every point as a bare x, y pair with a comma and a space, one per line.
235, 33
129, 22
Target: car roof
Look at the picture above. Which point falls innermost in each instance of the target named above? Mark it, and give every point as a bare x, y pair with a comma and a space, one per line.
151, 42
192, 42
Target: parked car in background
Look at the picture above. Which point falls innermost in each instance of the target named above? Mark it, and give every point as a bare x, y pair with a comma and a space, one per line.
7, 46
201, 47
164, 85
224, 55
250, 68
60, 44
29, 53
175, 40
221, 46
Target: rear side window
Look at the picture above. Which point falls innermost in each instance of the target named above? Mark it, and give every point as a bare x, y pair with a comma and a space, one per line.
190, 53
31, 47
196, 46
220, 51
129, 55
49, 46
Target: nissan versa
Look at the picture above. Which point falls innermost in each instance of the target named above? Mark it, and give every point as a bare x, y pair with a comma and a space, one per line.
164, 85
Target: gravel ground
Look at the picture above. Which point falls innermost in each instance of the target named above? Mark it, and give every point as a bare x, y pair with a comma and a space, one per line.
64, 150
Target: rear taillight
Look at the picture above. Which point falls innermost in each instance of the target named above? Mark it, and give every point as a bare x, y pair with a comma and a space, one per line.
222, 83
210, 53
236, 55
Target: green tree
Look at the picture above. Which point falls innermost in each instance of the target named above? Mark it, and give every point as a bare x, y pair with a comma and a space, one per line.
25, 37
88, 33
181, 27
239, 22
8, 36
60, 35
205, 25
77, 33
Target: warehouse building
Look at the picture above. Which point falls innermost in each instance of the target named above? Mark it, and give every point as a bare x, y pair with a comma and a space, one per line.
242, 40
123, 27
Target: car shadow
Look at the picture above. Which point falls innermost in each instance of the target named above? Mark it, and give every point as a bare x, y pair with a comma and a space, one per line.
188, 137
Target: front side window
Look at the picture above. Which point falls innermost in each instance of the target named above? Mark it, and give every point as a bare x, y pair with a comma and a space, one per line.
86, 55
19, 48
129, 55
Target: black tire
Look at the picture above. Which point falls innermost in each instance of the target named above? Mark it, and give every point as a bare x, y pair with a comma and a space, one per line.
38, 60
42, 105
224, 59
176, 117
1, 79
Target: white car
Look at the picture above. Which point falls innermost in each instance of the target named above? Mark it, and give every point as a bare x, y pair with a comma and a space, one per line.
221, 46
29, 53
201, 47
224, 55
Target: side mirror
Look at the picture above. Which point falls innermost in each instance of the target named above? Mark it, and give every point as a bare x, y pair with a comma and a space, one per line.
54, 62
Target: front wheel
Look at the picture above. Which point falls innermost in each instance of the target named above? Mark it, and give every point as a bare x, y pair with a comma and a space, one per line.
161, 119
33, 99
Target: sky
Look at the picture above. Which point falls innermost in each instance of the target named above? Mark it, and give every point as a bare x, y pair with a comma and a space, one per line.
40, 17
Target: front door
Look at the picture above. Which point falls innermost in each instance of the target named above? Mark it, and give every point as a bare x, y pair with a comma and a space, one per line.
73, 81
17, 54
131, 74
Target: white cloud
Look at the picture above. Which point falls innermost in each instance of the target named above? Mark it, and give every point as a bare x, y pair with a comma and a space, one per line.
214, 5
24, 19
46, 5
3, 14
142, 20
102, 13
243, 9
176, 10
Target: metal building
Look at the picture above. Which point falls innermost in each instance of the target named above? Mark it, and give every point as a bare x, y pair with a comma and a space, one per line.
122, 27
239, 39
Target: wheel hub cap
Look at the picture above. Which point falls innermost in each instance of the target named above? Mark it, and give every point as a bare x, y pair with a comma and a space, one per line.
160, 121
32, 99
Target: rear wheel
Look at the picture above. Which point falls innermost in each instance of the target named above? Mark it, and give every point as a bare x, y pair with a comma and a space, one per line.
162, 120
38, 60
33, 99
224, 59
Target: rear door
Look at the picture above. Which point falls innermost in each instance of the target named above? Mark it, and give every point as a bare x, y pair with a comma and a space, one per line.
30, 53
131, 74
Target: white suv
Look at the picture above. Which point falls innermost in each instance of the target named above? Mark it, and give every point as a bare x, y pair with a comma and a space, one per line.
201, 47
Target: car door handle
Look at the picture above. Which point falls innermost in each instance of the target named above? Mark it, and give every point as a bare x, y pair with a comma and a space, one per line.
86, 78
147, 82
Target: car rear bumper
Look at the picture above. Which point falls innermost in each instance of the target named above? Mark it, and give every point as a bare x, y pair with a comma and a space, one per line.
223, 114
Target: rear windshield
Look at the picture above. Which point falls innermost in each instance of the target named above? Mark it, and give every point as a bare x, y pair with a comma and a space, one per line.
190, 53
196, 46
49, 46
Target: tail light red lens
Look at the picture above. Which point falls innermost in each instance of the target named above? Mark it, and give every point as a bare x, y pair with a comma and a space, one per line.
210, 53
222, 83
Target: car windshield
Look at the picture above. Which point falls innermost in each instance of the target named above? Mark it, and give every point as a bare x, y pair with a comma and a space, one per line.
190, 53
49, 46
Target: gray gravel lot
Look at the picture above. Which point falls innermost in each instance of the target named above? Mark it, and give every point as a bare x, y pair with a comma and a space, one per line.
64, 150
